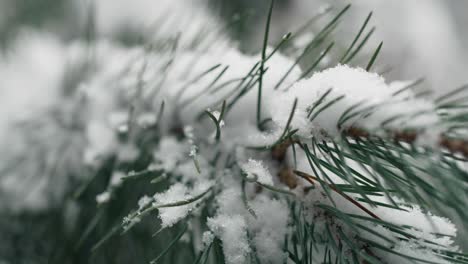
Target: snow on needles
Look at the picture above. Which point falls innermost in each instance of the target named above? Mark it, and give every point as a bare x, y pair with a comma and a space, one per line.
257, 172
232, 230
188, 81
332, 95
178, 192
269, 228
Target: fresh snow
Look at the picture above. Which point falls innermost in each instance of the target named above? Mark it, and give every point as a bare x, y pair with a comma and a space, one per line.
176, 193
256, 171
245, 217
358, 89
232, 231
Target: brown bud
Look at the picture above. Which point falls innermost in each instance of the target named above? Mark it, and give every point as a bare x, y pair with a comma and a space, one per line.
286, 176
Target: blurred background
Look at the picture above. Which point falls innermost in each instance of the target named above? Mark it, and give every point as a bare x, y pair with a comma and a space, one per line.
422, 39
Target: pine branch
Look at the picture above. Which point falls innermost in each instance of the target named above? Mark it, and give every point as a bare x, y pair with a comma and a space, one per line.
450, 144
311, 180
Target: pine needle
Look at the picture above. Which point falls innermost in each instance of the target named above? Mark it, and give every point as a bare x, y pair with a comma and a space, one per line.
374, 57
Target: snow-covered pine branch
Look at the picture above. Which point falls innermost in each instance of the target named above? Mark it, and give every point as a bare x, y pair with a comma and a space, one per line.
362, 163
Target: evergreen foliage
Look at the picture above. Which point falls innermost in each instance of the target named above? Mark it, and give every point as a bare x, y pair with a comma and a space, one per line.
178, 148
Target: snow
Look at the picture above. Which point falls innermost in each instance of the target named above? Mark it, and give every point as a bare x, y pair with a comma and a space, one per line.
116, 179
147, 120
193, 151
178, 192
171, 215
232, 231
169, 152
189, 173
117, 17
30, 75
232, 222
144, 201
118, 118
425, 224
127, 152
103, 197
422, 225
269, 228
229, 200
412, 250
101, 141
217, 115
357, 88
244, 216
207, 238
257, 172
32, 71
